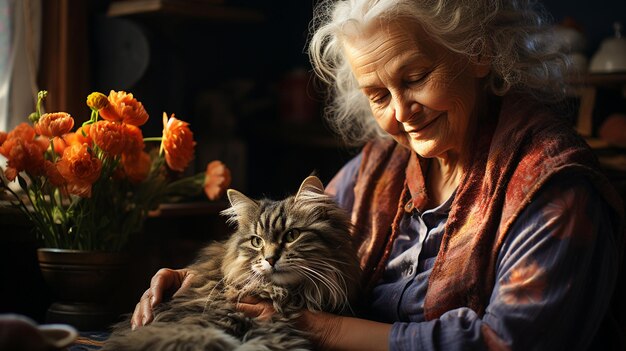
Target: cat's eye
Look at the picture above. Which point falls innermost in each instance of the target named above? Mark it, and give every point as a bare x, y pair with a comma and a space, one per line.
292, 235
256, 241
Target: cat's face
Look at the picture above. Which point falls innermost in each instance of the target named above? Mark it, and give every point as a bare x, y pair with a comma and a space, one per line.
300, 241
277, 245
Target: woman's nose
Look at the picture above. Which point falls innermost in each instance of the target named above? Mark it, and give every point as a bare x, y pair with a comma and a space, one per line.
406, 110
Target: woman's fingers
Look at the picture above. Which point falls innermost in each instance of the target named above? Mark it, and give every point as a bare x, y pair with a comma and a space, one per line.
255, 308
165, 281
143, 311
186, 277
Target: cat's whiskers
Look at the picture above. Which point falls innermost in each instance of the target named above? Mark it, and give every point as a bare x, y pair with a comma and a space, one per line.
339, 284
340, 275
249, 282
208, 298
337, 295
300, 270
338, 272
325, 267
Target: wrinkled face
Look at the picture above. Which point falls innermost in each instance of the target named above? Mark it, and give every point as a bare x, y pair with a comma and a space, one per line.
423, 95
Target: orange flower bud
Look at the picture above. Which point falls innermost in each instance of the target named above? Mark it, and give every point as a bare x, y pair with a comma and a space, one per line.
178, 143
97, 101
80, 168
109, 136
3, 137
217, 179
125, 108
54, 124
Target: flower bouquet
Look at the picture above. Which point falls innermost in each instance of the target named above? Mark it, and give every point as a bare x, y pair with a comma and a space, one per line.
91, 189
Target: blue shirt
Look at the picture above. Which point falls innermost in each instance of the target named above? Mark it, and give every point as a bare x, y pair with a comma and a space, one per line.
550, 293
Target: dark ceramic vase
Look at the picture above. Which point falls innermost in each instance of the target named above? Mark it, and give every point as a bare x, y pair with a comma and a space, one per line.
82, 283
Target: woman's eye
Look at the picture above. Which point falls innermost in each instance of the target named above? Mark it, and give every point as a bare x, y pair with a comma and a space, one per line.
292, 235
416, 79
378, 99
256, 241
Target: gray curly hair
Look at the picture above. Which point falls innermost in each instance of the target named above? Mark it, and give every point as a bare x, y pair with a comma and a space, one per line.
514, 35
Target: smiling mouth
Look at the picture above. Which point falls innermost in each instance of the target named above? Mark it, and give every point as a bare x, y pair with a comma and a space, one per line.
419, 129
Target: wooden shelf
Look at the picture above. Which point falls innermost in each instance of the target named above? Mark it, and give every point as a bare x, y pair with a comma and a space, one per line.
183, 209
601, 80
585, 87
208, 9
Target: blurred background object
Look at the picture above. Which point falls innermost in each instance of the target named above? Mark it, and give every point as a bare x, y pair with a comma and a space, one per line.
611, 56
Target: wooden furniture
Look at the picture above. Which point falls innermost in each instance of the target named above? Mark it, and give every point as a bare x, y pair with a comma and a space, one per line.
586, 88
214, 10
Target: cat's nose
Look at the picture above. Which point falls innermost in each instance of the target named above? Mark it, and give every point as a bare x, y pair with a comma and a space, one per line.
271, 260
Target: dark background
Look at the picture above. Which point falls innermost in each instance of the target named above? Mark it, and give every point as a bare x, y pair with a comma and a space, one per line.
244, 86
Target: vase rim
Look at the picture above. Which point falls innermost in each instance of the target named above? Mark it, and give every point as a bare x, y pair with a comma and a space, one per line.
80, 256
54, 249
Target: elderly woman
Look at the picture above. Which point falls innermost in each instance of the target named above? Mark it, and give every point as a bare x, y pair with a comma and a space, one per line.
480, 217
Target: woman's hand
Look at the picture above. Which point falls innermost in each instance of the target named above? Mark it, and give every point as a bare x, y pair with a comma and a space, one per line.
165, 283
324, 328
333, 332
328, 331
254, 307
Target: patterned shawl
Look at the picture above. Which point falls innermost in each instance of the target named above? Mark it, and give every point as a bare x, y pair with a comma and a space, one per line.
512, 159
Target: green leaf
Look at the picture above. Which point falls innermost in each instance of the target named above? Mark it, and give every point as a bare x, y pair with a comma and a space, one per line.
3, 178
22, 182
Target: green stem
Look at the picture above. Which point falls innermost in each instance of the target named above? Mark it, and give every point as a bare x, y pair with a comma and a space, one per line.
24, 209
41, 96
40, 205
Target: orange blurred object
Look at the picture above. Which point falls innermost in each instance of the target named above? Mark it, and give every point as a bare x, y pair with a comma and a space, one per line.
217, 179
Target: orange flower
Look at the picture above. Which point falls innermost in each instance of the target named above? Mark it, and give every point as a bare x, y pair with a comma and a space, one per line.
177, 142
80, 168
136, 166
125, 108
109, 136
59, 144
22, 131
23, 150
3, 137
54, 124
134, 139
82, 135
23, 155
216, 180
52, 173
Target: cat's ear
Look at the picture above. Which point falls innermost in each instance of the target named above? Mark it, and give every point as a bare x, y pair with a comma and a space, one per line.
240, 206
238, 200
312, 184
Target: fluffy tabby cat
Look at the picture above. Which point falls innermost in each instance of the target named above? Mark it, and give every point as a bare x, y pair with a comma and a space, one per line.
296, 252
